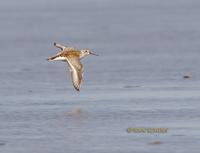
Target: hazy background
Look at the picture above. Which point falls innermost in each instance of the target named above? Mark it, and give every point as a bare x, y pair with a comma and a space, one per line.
145, 48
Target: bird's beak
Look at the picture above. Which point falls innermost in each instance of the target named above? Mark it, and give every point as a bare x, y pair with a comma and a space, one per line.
93, 54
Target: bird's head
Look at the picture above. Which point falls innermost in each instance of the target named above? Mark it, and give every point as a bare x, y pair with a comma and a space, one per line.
85, 52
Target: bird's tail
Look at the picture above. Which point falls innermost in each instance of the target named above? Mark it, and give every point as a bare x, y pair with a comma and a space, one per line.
52, 58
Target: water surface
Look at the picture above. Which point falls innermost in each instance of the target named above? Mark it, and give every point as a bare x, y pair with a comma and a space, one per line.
145, 47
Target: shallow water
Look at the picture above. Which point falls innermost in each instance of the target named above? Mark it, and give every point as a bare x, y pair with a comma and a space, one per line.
145, 48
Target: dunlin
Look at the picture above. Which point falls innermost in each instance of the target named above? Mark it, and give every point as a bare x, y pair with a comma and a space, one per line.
72, 56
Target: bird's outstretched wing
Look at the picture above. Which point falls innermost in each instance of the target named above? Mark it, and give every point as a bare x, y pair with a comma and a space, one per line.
76, 69
63, 48
59, 46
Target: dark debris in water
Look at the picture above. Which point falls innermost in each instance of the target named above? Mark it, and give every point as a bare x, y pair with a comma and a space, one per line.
187, 76
178, 135
130, 86
26, 69
155, 143
2, 144
30, 91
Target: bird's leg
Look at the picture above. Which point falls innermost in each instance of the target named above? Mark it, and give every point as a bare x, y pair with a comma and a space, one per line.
59, 46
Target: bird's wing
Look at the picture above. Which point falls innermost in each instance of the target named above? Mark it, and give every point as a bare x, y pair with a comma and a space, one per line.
59, 46
76, 69
64, 48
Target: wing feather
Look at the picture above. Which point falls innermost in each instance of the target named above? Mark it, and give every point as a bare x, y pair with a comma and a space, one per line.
76, 69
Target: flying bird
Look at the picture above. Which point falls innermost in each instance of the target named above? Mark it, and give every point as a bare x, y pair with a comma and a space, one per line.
72, 56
